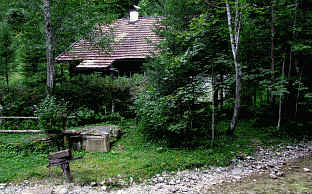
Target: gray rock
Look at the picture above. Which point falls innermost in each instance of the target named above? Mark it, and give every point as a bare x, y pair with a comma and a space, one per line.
171, 182
93, 184
173, 189
160, 179
306, 170
236, 171
273, 176
3, 185
60, 190
104, 188
206, 171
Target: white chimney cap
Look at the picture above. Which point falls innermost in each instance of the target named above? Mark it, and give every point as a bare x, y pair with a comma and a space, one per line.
136, 7
134, 16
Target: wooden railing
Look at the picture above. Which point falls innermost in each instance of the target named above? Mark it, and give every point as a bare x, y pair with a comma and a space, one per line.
23, 131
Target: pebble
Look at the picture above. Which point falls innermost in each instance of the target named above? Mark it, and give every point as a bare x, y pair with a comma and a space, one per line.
3, 185
306, 170
104, 188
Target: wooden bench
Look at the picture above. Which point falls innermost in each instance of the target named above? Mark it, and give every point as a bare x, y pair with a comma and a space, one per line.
62, 158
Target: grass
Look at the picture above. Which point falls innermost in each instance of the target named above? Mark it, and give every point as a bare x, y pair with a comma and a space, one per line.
132, 156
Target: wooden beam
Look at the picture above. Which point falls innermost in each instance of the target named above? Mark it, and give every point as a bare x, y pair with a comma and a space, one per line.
21, 131
16, 117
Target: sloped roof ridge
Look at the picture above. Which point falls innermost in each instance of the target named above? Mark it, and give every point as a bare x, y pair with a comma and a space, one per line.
131, 44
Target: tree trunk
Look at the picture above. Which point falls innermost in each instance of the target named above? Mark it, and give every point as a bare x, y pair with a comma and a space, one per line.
213, 127
235, 38
238, 75
7, 71
113, 106
222, 90
50, 47
280, 101
272, 49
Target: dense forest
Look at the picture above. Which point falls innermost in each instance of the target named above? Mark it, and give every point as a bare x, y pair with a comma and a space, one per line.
229, 79
256, 55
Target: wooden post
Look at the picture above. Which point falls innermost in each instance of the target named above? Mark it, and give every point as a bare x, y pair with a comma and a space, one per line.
66, 170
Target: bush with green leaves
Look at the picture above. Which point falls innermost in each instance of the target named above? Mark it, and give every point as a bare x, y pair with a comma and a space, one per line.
174, 119
52, 114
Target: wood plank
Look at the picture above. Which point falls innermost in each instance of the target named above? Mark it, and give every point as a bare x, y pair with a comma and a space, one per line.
61, 154
18, 117
22, 131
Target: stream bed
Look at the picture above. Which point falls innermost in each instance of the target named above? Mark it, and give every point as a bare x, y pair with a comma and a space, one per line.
295, 179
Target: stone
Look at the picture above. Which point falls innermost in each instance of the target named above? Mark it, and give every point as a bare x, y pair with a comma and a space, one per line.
280, 173
38, 189
98, 143
171, 182
306, 170
160, 180
3, 185
60, 190
273, 176
206, 171
93, 184
104, 188
173, 189
236, 171
131, 181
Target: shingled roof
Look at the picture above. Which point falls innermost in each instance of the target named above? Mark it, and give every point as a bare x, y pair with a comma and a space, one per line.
131, 41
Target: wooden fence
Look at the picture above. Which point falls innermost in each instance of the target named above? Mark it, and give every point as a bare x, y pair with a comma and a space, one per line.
23, 131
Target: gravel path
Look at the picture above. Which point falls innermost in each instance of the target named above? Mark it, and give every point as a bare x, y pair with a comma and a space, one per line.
195, 181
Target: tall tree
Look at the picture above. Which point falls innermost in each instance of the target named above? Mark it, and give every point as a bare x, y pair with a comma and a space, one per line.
234, 30
272, 47
5, 51
49, 46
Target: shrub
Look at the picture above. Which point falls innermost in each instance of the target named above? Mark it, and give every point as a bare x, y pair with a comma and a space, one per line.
173, 118
52, 114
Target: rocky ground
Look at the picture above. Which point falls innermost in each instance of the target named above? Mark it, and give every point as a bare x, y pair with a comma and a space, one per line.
268, 161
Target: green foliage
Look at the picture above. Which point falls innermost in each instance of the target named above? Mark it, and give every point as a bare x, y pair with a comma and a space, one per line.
91, 96
52, 114
174, 119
